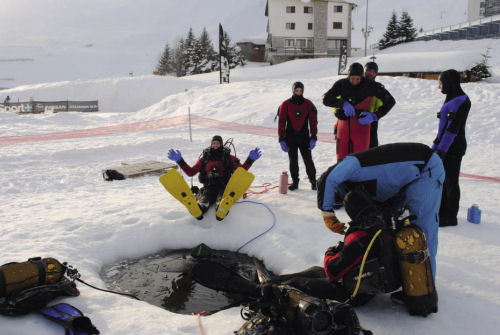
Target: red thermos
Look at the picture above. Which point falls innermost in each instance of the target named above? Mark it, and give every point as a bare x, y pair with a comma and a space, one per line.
283, 182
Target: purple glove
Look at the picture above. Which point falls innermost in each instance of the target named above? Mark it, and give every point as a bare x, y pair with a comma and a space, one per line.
367, 118
174, 155
312, 143
284, 147
254, 154
348, 109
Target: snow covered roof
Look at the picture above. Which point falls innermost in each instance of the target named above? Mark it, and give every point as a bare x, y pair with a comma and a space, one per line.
429, 56
254, 40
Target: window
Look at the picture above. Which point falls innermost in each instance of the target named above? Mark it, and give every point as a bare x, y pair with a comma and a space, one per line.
333, 44
290, 25
289, 43
337, 9
290, 9
308, 9
300, 43
309, 44
310, 26
337, 25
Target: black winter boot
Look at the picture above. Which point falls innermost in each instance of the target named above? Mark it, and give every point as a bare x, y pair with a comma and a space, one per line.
294, 186
313, 185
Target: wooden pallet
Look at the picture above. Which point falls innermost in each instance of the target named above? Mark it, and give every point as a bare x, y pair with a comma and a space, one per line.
127, 170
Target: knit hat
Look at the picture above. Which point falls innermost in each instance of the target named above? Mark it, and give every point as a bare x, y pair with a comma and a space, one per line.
371, 66
355, 69
358, 203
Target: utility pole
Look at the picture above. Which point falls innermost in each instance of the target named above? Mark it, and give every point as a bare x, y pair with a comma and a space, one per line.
367, 30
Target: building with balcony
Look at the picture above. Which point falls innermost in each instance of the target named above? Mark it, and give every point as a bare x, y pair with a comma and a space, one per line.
307, 29
478, 9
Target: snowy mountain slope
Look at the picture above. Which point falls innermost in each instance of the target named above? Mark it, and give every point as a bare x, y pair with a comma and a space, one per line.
54, 202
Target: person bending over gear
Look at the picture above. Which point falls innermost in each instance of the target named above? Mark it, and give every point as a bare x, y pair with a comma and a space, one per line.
215, 167
450, 142
371, 71
296, 116
399, 175
354, 100
341, 262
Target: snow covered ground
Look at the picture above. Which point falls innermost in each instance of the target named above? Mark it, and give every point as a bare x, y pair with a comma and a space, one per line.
54, 202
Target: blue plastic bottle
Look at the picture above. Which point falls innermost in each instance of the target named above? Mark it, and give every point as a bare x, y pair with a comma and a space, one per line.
474, 214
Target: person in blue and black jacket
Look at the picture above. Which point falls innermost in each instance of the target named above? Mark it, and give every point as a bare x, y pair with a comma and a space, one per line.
450, 142
395, 175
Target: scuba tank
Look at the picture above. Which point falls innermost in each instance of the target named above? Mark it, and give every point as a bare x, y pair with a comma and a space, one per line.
420, 296
34, 272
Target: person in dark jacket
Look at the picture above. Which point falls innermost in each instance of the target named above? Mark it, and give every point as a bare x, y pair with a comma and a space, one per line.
371, 71
450, 142
297, 130
215, 166
397, 175
355, 100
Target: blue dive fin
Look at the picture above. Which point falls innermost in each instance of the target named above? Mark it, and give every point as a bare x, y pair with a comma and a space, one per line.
71, 318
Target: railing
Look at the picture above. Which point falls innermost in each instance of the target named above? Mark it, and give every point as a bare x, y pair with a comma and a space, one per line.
294, 51
291, 51
463, 25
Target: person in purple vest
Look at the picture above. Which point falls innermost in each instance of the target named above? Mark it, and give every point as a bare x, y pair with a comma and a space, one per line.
450, 143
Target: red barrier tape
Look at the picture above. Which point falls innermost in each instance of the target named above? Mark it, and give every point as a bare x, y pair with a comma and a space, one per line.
171, 122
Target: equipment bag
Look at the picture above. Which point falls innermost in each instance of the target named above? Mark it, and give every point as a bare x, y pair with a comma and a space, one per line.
36, 271
34, 298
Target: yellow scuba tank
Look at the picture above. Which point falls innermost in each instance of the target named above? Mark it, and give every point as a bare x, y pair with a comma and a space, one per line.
34, 272
420, 296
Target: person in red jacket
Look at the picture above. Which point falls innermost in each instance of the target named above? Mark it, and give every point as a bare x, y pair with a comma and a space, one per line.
215, 166
297, 130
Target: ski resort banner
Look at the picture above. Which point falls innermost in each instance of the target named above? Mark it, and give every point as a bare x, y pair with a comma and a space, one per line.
224, 61
50, 106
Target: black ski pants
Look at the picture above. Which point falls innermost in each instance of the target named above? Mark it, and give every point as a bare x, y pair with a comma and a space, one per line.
313, 281
451, 189
210, 194
374, 134
295, 144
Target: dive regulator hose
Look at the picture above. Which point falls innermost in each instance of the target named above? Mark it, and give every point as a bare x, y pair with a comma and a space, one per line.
363, 264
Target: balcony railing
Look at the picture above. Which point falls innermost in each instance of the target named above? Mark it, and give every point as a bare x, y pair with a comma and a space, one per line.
295, 51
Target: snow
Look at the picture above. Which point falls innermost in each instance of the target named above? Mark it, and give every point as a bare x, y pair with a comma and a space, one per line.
54, 202
436, 56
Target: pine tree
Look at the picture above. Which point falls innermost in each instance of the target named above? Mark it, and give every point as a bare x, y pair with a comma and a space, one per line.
481, 70
391, 35
165, 64
406, 29
190, 56
178, 59
206, 52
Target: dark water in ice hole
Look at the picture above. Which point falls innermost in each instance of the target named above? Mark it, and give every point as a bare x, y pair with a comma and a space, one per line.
164, 280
